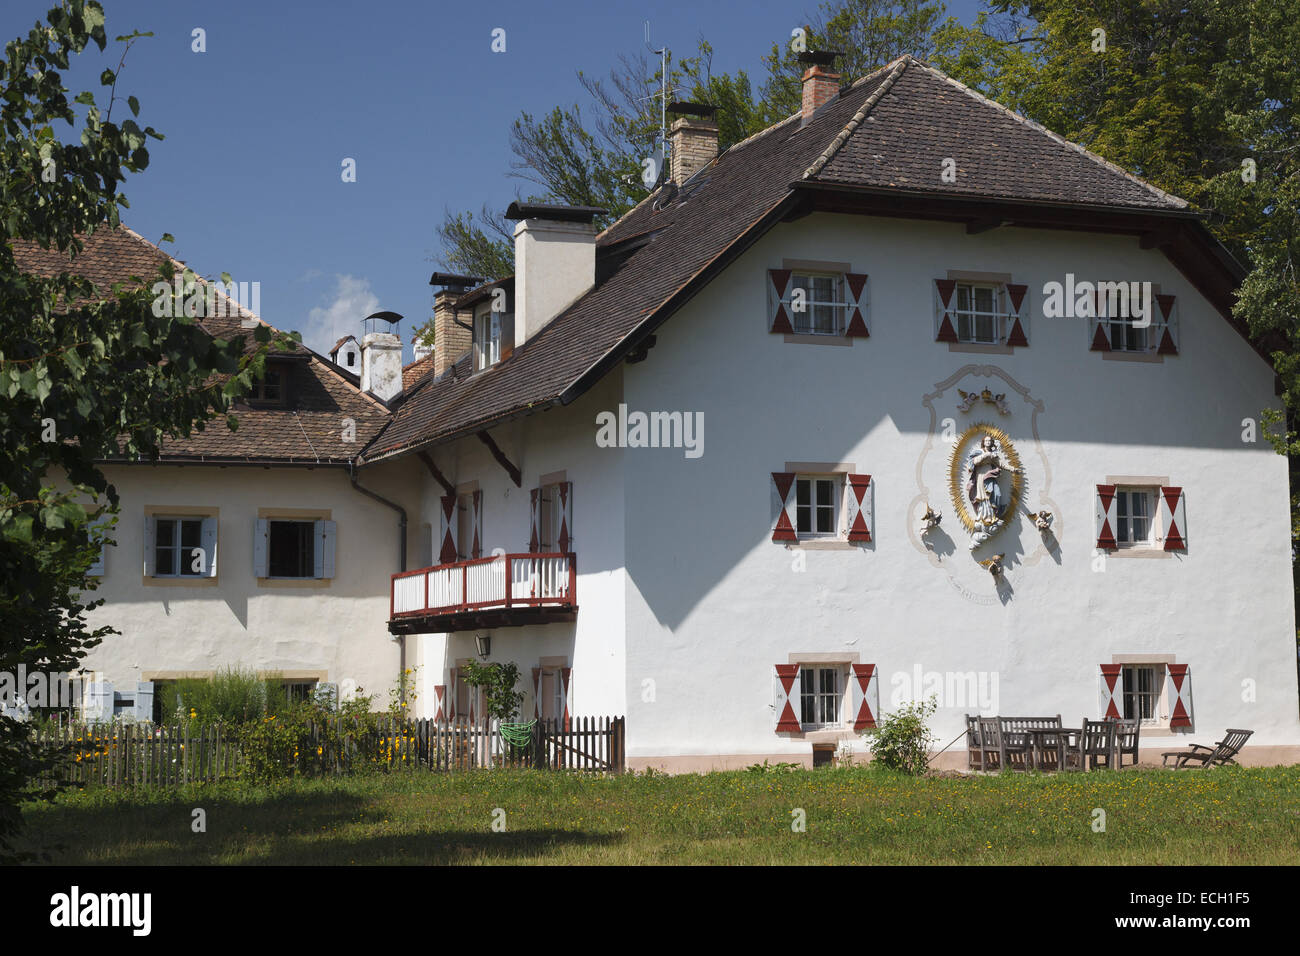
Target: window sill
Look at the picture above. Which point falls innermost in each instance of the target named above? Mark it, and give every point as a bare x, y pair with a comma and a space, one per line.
824, 544
294, 582
978, 349
204, 582
1152, 551
840, 340
1146, 358
827, 736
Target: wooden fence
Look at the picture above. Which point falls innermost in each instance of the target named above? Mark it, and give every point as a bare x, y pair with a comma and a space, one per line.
129, 755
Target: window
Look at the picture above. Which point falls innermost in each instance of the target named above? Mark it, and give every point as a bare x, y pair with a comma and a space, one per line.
816, 505
978, 312
820, 695
1142, 684
1134, 524
298, 691
816, 303
552, 518
491, 329
178, 548
352, 358
273, 387
291, 549
1124, 337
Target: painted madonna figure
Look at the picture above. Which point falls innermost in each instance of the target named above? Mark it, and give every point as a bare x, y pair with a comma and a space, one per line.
984, 465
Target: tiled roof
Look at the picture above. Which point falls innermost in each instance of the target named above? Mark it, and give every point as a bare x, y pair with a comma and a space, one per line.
416, 370
890, 130
324, 397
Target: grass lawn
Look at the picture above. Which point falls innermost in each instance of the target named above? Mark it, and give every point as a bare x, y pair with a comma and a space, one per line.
853, 815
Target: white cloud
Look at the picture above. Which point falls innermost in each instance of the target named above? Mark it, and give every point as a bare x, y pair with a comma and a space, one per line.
350, 301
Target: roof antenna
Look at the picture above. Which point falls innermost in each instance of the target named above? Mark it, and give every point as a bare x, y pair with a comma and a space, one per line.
654, 172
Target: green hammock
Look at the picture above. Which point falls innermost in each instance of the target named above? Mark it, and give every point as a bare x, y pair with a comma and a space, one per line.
517, 734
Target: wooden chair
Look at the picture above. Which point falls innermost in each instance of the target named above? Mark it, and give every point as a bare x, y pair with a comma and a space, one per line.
1224, 752
992, 754
974, 747
1097, 743
1127, 733
1014, 746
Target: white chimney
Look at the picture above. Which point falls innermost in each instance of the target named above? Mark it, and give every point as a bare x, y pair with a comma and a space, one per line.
420, 351
381, 359
555, 262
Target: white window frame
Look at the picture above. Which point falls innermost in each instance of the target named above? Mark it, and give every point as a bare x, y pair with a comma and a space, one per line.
177, 547
1124, 516
487, 339
1155, 695
801, 322
998, 315
836, 498
820, 699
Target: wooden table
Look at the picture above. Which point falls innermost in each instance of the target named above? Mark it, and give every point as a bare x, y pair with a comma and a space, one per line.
1043, 739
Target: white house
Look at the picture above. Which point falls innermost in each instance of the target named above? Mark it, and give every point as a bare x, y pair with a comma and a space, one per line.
834, 420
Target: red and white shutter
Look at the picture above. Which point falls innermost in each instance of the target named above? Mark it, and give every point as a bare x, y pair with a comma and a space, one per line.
447, 550
1100, 330
1173, 518
944, 330
1111, 690
454, 688
783, 498
1106, 517
856, 309
1167, 325
565, 538
535, 496
778, 281
786, 699
864, 694
566, 690
439, 702
857, 510
1179, 695
476, 522
537, 693
1018, 314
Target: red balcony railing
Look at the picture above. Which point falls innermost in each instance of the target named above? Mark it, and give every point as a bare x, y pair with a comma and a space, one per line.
499, 583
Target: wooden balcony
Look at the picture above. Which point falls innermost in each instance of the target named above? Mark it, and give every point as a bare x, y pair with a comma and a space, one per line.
508, 590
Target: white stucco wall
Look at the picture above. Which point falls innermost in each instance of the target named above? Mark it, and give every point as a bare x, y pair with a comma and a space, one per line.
542, 444
337, 631
713, 604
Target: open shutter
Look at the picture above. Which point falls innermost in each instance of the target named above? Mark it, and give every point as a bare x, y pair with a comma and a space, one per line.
1106, 517
507, 335
143, 706
566, 517
537, 693
944, 331
1017, 314
535, 514
864, 693
856, 309
447, 552
150, 531
209, 540
476, 522
778, 281
787, 720
98, 704
326, 533
1173, 518
1179, 695
783, 497
566, 691
1166, 325
858, 507
1111, 691
439, 702
261, 530
453, 687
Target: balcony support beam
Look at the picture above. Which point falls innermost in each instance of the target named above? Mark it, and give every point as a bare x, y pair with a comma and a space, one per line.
438, 476
511, 468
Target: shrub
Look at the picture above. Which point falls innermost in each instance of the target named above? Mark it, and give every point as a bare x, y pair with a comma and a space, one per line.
902, 740
231, 696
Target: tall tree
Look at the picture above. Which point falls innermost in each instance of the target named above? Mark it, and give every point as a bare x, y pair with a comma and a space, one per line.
86, 373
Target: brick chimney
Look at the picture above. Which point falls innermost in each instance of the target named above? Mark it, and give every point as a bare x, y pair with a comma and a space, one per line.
555, 261
820, 84
451, 340
694, 139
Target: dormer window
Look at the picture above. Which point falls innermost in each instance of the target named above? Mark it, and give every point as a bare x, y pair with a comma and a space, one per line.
272, 390
493, 337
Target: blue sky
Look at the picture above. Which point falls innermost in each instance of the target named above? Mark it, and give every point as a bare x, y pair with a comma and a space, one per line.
257, 127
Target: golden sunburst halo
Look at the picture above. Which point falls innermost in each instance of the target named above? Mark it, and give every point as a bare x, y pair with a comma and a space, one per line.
956, 459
